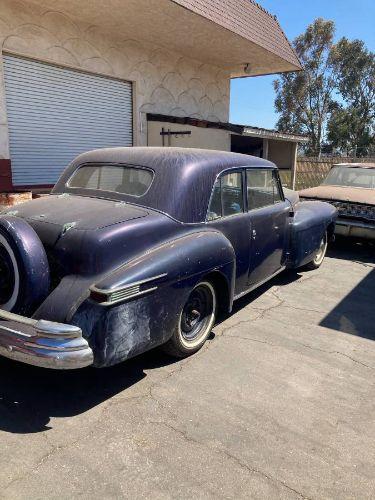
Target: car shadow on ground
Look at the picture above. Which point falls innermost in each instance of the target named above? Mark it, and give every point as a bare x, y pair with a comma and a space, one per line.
355, 313
356, 251
30, 396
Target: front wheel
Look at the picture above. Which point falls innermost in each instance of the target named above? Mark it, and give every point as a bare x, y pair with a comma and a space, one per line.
195, 322
320, 254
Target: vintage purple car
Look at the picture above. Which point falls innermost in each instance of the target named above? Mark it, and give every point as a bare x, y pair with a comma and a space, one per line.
141, 247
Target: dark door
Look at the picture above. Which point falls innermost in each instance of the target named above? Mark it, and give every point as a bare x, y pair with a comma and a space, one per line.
269, 219
226, 213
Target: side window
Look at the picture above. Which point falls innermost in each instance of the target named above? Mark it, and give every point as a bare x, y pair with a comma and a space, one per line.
226, 197
214, 209
277, 196
231, 194
262, 188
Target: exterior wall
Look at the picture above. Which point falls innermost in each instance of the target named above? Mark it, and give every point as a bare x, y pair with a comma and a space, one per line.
281, 153
206, 138
164, 81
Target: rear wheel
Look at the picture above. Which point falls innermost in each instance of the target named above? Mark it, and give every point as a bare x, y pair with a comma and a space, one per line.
195, 321
319, 256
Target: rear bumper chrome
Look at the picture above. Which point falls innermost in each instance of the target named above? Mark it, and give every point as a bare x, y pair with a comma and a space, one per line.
43, 343
355, 229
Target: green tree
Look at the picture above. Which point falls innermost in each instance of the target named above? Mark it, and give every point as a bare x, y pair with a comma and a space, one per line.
350, 133
351, 126
305, 99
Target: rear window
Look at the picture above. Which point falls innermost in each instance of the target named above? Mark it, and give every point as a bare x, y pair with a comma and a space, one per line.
120, 179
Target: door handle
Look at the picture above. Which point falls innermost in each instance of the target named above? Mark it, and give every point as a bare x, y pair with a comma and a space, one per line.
253, 234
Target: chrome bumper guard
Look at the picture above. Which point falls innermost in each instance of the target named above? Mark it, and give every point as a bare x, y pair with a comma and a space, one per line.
43, 343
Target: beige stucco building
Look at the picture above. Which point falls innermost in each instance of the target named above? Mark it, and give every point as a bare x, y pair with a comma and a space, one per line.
78, 74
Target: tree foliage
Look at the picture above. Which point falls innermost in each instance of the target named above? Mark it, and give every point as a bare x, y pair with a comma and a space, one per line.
334, 93
351, 126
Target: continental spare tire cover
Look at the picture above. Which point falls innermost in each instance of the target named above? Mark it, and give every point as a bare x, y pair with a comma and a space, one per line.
24, 269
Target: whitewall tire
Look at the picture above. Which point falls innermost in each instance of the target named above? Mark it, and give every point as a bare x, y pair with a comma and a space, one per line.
320, 254
9, 276
195, 322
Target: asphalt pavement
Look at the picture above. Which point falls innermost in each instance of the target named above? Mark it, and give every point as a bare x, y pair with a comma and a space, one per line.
278, 404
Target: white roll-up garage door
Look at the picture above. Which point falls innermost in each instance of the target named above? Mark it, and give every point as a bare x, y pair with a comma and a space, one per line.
56, 113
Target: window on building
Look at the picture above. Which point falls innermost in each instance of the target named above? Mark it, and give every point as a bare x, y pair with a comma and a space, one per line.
262, 188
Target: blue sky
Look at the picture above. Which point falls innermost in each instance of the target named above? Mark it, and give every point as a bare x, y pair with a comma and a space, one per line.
252, 98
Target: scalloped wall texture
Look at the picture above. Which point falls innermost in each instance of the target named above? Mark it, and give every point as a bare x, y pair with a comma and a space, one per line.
166, 82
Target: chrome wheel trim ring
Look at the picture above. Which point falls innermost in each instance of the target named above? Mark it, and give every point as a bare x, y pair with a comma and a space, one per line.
8, 306
322, 251
210, 320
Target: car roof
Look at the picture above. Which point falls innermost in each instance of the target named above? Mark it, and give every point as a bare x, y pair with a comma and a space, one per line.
183, 179
355, 165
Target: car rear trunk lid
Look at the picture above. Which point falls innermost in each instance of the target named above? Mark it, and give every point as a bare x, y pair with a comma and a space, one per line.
79, 212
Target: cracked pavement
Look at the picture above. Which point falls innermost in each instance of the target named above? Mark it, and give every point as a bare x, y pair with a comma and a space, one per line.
278, 404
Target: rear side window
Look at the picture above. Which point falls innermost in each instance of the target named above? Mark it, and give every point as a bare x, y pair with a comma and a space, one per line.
262, 188
226, 197
114, 178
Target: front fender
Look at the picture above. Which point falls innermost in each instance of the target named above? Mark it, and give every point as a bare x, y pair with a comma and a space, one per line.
311, 220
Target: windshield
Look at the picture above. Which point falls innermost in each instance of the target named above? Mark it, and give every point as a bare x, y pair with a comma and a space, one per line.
352, 177
120, 179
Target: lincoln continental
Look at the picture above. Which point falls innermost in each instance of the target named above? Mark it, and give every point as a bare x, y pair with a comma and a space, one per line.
143, 247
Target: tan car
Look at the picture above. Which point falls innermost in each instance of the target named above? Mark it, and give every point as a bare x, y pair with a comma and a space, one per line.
350, 187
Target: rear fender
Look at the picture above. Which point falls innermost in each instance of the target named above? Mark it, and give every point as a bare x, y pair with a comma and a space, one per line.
311, 220
177, 261
161, 279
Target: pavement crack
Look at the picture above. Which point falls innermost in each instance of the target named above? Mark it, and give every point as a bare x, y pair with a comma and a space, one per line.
236, 325
252, 340
232, 457
336, 352
307, 346
354, 360
55, 449
254, 470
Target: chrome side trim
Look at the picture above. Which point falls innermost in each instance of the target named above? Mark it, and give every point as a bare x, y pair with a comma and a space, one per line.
126, 292
136, 283
139, 294
248, 290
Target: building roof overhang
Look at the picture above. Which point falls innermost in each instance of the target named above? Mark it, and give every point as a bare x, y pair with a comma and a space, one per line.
236, 35
245, 130
266, 133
